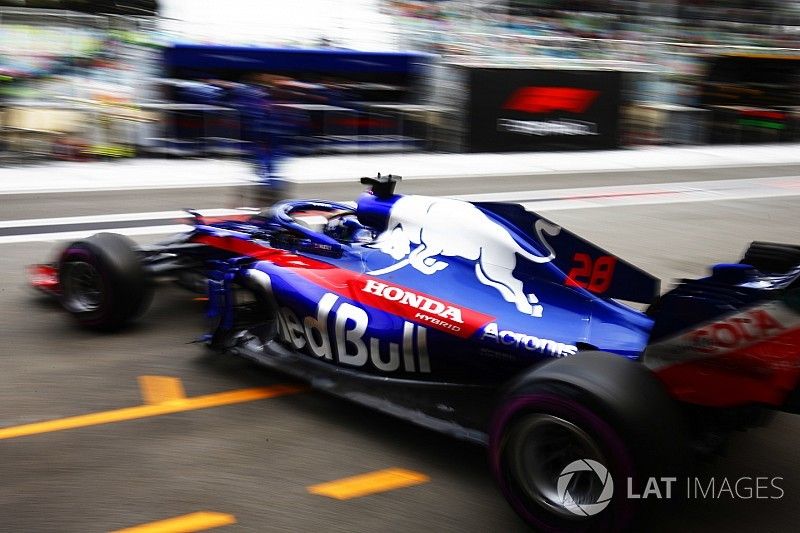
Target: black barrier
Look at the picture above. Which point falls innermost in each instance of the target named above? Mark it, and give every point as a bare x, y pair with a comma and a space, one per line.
518, 110
742, 125
752, 98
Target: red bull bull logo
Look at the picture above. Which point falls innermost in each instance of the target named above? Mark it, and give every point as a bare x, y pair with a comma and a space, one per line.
419, 235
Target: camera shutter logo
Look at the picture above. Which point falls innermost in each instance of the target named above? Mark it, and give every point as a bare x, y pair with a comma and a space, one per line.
585, 509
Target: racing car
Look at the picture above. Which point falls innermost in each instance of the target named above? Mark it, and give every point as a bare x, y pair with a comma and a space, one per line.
484, 321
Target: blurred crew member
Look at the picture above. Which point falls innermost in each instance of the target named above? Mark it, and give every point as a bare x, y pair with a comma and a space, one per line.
266, 134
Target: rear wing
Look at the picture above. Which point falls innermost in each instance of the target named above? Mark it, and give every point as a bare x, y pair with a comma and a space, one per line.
584, 264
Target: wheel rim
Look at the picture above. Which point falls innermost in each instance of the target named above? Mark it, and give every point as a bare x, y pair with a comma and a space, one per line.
83, 287
541, 446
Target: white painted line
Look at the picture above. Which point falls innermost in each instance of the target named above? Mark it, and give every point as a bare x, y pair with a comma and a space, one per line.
74, 235
103, 187
133, 174
123, 217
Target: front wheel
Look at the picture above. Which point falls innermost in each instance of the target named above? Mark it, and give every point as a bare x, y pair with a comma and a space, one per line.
103, 284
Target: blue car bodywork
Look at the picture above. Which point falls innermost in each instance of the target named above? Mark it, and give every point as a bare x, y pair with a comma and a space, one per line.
368, 320
428, 307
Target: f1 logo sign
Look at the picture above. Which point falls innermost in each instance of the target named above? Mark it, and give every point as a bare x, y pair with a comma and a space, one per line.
549, 99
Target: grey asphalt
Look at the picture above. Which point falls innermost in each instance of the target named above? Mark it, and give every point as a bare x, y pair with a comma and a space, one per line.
255, 460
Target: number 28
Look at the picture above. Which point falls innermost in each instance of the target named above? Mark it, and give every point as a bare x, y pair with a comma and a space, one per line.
594, 275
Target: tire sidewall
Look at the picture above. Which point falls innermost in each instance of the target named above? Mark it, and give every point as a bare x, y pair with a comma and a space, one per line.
125, 288
619, 513
85, 254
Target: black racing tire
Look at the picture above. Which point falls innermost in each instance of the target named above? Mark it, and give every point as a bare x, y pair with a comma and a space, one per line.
103, 283
607, 418
772, 257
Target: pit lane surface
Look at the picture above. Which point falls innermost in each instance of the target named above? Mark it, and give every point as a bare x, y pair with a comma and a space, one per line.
255, 460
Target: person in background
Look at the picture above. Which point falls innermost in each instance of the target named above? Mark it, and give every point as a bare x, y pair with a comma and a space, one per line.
266, 133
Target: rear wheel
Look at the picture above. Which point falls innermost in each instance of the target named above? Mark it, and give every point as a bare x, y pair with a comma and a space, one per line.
103, 284
568, 436
772, 257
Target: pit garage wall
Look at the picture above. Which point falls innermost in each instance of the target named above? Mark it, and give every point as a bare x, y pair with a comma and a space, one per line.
539, 109
352, 101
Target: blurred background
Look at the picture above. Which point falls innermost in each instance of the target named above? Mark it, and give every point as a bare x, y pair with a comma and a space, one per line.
85, 80
115, 115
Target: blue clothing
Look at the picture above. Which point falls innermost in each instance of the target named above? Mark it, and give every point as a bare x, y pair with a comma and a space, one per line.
265, 129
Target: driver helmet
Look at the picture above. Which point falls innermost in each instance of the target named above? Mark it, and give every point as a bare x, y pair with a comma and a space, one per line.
347, 228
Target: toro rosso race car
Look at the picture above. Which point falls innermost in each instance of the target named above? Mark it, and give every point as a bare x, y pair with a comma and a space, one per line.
484, 321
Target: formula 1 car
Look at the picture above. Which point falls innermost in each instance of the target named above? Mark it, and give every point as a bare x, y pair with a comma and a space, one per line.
484, 321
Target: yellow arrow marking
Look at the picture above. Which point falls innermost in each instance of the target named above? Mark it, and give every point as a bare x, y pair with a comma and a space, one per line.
369, 483
154, 409
187, 523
